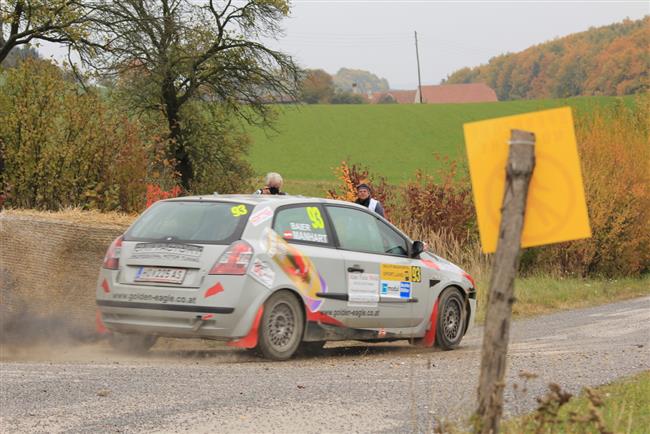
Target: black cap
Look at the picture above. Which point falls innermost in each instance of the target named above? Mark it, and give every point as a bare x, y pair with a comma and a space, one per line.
360, 186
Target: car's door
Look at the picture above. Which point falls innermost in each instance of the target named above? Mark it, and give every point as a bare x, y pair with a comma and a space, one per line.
305, 229
380, 275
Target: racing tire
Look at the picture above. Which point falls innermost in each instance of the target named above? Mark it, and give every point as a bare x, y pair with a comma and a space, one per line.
450, 324
281, 327
131, 343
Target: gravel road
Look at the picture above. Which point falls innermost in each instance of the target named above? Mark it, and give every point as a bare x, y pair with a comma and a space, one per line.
191, 386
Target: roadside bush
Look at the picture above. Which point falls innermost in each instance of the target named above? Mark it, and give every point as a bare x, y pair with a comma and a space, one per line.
615, 153
614, 149
440, 213
344, 97
353, 175
441, 203
63, 148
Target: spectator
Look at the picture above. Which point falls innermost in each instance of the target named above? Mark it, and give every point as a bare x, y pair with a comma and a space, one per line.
273, 184
364, 198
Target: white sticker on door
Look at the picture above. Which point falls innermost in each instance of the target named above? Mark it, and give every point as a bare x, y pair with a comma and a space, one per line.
363, 289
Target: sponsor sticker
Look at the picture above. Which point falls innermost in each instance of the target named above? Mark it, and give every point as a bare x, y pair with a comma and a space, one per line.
168, 251
396, 272
263, 273
259, 217
405, 290
390, 288
395, 289
363, 289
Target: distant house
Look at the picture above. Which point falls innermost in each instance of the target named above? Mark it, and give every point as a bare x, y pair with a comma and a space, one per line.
456, 93
439, 94
399, 96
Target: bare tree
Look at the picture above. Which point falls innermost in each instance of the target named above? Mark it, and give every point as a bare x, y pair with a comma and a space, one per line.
174, 51
23, 21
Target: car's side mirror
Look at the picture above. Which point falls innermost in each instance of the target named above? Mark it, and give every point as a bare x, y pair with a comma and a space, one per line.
417, 248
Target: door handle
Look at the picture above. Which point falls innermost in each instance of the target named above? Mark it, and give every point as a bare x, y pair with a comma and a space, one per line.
355, 270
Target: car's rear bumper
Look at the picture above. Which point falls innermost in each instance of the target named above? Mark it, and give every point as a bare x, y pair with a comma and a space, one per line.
181, 312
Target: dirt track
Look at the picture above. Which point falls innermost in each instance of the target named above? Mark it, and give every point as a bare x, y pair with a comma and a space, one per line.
195, 387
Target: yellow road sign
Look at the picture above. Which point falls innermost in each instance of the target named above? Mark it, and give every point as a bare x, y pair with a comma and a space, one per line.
556, 209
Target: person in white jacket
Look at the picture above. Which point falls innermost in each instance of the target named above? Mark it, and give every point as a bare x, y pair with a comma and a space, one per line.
364, 198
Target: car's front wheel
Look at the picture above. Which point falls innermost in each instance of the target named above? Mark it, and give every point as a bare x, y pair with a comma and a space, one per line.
450, 326
131, 343
281, 327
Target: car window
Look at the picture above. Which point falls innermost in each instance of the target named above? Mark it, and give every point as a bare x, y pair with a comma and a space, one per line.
301, 223
358, 230
211, 222
394, 243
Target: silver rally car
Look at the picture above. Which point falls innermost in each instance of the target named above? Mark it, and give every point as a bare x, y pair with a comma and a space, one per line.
279, 274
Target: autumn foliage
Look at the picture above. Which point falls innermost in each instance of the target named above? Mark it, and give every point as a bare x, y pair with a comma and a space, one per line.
614, 146
609, 60
614, 150
62, 147
156, 193
352, 175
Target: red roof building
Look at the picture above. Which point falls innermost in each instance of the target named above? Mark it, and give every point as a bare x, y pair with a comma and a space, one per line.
400, 96
457, 93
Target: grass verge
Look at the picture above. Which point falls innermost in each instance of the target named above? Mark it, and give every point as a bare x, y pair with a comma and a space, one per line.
546, 294
619, 407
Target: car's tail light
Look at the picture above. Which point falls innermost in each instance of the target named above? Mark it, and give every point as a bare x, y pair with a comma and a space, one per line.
234, 260
112, 258
471, 280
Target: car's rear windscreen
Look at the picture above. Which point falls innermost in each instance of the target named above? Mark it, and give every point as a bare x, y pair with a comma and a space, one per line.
195, 221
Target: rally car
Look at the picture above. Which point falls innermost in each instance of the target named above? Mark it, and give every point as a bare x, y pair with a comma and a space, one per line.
279, 274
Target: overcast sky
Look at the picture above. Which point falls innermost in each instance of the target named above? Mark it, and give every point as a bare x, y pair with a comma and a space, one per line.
378, 35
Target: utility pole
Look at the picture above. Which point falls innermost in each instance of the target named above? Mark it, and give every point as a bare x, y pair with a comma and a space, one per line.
417, 57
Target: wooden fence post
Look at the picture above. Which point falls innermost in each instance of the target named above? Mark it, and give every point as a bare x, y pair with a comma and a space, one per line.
519, 170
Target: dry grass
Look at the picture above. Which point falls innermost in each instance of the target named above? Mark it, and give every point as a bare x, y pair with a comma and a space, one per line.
620, 407
77, 216
540, 295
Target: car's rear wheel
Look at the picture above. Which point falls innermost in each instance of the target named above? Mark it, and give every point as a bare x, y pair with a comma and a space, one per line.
450, 326
131, 343
281, 327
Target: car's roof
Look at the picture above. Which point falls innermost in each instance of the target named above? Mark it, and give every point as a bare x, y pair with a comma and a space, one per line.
256, 199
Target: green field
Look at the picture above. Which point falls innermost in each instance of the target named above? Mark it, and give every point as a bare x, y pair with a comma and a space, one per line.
392, 140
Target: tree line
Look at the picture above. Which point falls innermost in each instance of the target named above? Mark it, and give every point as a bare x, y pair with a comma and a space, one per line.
184, 63
347, 86
608, 60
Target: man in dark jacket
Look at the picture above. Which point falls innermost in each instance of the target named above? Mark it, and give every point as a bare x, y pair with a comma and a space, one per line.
364, 198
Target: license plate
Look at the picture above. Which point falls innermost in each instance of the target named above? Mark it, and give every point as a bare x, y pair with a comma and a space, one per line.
163, 275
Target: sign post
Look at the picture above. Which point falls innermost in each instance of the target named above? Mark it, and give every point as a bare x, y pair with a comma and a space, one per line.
524, 208
519, 171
